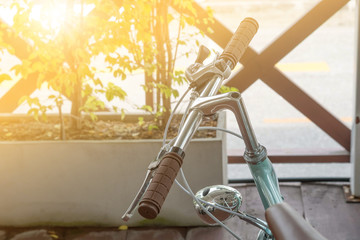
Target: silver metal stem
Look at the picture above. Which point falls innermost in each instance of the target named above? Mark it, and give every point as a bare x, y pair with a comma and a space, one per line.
244, 123
231, 101
195, 117
186, 133
212, 88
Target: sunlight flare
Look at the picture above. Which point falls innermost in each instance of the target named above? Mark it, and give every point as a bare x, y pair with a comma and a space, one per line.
54, 14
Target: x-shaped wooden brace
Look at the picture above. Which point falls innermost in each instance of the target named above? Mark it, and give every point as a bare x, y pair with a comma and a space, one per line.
262, 66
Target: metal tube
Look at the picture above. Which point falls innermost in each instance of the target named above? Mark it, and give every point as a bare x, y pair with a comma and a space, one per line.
194, 119
242, 117
215, 86
266, 182
191, 124
255, 222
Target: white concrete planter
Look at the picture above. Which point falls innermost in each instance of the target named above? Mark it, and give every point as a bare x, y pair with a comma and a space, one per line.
78, 183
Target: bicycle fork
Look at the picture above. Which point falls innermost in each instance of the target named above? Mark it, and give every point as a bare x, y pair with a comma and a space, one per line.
255, 154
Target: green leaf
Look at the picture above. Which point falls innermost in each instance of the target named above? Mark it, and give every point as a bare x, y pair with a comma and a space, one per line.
123, 76
152, 126
122, 114
181, 42
37, 67
141, 121
147, 108
44, 117
93, 117
170, 17
210, 30
97, 81
23, 99
4, 77
175, 93
225, 89
34, 112
114, 91
109, 95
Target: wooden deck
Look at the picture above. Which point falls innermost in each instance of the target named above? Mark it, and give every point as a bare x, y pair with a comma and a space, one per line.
323, 205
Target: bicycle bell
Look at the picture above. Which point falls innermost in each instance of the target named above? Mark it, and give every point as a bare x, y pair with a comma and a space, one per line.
218, 195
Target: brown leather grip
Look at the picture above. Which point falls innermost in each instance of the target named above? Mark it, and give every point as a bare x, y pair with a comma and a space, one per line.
240, 41
160, 185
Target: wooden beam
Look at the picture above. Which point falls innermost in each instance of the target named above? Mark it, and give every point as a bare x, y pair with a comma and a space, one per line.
301, 29
9, 101
308, 106
21, 48
244, 78
355, 138
298, 158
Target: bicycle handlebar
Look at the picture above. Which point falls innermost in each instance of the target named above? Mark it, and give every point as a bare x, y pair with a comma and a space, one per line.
240, 41
170, 164
160, 185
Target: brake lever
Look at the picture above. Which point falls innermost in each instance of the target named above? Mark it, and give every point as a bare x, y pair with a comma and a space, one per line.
130, 211
148, 177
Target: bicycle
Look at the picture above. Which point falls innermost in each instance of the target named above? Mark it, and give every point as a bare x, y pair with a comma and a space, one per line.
218, 203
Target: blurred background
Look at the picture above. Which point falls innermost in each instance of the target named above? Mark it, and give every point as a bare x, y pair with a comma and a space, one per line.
322, 65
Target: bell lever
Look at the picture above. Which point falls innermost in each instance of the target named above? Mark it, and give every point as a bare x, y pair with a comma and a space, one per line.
203, 54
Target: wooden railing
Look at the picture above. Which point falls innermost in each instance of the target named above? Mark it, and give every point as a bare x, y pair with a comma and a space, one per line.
262, 66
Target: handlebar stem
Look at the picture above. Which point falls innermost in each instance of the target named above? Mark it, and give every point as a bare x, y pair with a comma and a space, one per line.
195, 117
232, 101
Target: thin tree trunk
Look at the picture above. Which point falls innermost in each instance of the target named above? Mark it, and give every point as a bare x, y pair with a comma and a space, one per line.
76, 104
169, 67
77, 99
161, 56
149, 79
